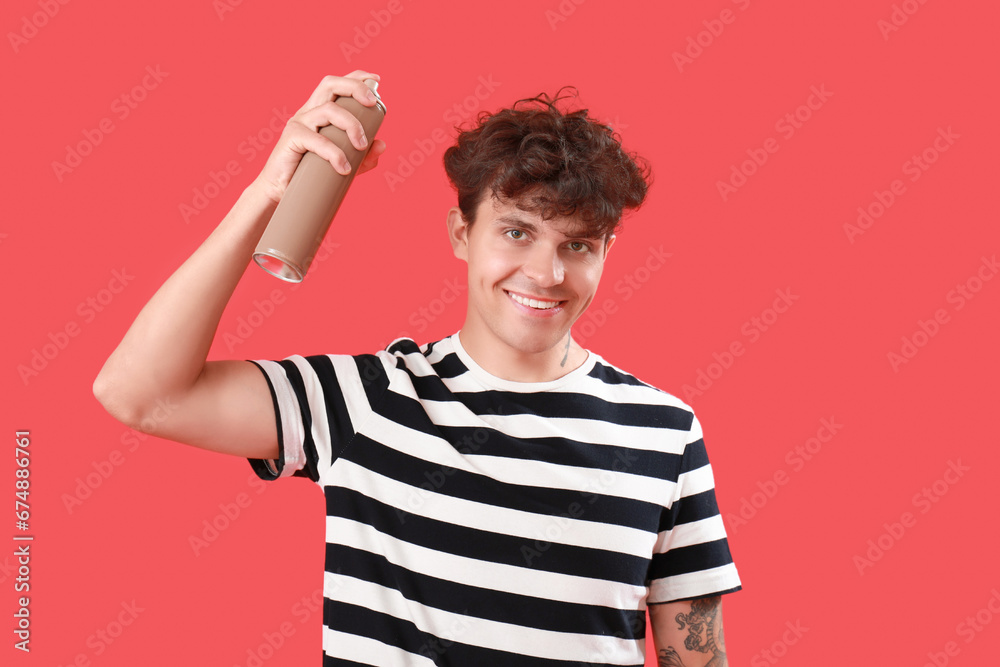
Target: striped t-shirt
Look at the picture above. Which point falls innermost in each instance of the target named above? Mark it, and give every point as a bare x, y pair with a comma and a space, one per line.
473, 520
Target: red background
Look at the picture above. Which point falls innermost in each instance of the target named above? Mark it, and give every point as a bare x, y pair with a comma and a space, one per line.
827, 357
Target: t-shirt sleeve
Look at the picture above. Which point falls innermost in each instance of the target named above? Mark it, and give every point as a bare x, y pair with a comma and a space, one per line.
691, 558
320, 402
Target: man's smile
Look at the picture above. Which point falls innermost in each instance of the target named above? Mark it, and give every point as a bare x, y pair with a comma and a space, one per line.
532, 302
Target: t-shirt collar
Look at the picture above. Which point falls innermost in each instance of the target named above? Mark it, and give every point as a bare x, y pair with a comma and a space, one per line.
494, 382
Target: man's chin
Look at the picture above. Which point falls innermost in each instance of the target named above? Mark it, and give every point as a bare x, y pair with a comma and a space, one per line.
535, 343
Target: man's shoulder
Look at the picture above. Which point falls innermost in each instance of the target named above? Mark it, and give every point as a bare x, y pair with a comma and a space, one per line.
633, 389
433, 358
406, 347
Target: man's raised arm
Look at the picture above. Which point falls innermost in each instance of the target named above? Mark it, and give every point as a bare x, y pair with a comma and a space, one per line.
158, 379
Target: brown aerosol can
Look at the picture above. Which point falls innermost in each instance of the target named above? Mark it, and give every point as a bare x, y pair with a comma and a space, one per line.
314, 194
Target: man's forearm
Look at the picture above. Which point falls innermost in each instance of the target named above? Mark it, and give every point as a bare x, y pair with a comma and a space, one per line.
165, 349
689, 634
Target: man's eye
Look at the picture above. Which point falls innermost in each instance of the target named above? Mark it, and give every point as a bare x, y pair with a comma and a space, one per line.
516, 234
579, 246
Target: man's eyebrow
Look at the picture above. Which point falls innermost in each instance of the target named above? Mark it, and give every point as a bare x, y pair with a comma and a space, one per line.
515, 220
579, 232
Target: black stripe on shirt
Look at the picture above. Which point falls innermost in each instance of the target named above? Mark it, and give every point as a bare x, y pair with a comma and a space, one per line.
491, 604
337, 415
393, 631
609, 375
259, 466
330, 661
554, 404
536, 553
485, 439
689, 509
563, 451
692, 558
449, 366
586, 504
373, 377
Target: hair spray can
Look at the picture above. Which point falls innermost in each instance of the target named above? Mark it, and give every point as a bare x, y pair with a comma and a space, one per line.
314, 194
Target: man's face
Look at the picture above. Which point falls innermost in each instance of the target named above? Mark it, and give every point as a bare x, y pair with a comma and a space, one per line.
529, 279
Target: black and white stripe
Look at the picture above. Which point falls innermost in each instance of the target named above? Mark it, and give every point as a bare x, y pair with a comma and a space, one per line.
477, 521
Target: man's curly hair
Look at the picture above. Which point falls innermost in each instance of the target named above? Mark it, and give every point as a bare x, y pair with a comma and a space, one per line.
549, 162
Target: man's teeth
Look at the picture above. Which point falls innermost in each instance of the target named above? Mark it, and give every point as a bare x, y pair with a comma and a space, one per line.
532, 302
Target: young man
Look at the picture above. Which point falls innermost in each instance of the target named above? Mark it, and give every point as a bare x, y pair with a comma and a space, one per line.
498, 497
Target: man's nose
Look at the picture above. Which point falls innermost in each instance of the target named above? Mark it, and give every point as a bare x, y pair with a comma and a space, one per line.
544, 266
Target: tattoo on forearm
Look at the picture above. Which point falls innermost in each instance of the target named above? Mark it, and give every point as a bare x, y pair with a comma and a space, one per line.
566, 354
668, 657
705, 634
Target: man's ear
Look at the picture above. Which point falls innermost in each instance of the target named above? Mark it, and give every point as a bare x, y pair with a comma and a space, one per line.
607, 246
458, 233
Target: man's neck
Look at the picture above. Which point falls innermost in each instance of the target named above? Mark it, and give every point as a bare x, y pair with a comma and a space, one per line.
499, 359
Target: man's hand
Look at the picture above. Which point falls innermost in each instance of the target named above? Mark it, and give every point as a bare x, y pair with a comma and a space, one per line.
301, 133
689, 634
